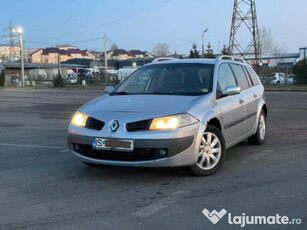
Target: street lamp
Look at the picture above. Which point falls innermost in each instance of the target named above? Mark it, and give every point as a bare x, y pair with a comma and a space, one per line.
19, 31
203, 45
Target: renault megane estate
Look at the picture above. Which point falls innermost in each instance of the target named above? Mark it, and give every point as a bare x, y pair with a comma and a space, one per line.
173, 113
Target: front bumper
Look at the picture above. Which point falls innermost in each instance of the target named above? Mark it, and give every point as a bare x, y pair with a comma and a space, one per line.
181, 148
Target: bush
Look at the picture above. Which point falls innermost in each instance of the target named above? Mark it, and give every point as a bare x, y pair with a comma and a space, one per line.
2, 78
300, 69
58, 81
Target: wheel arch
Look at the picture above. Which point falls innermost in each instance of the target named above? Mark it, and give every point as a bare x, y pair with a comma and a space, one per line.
215, 122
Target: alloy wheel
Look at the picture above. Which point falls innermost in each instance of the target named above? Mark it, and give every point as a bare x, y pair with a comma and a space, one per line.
262, 127
209, 151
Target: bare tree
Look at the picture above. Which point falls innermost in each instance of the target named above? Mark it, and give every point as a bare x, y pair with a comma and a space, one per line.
266, 40
277, 52
161, 49
113, 47
268, 46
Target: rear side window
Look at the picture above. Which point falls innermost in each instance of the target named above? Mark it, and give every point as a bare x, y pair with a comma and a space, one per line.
225, 77
253, 76
240, 76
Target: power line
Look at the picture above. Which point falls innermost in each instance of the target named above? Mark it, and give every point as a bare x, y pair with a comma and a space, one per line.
187, 42
126, 17
103, 16
115, 21
63, 42
69, 18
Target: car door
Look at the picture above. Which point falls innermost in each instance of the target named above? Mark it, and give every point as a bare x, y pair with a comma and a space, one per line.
252, 98
231, 108
248, 95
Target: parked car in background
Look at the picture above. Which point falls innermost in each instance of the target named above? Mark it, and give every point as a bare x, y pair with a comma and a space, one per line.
70, 77
293, 78
85, 75
276, 78
173, 113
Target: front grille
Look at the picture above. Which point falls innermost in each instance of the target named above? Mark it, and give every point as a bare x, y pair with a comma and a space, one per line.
93, 123
139, 154
138, 126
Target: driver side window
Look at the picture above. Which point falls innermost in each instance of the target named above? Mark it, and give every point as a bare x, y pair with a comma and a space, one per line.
225, 77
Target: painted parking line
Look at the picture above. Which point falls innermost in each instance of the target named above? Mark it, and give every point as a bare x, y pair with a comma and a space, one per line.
157, 206
32, 146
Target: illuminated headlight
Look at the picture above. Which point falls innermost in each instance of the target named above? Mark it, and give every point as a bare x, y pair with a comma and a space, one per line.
172, 122
79, 119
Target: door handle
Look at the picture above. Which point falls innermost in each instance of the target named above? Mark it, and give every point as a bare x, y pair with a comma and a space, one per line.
255, 95
241, 101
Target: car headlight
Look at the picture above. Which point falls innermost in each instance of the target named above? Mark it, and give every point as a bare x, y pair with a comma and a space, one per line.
79, 119
172, 122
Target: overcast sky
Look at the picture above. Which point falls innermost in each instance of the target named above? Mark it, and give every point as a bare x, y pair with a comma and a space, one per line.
140, 24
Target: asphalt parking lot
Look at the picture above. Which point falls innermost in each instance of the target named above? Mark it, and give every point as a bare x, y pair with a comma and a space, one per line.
43, 187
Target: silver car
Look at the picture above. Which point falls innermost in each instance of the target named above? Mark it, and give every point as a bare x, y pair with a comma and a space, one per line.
173, 113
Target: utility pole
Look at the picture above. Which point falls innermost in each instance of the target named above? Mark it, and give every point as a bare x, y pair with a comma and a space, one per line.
18, 30
59, 63
105, 58
203, 44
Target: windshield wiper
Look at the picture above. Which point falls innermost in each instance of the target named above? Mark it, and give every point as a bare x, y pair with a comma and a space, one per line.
158, 93
120, 93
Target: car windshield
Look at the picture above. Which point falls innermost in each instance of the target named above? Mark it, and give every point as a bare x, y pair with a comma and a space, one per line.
172, 79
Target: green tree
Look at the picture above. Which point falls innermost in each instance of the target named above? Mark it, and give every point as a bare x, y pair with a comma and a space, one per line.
300, 69
209, 52
225, 50
2, 78
194, 53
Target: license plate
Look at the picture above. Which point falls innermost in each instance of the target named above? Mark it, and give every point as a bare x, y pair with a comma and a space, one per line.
112, 143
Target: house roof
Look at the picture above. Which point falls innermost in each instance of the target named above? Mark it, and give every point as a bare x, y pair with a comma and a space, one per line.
49, 50
137, 52
119, 51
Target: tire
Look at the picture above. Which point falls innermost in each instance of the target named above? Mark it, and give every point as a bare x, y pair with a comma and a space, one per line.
259, 137
206, 164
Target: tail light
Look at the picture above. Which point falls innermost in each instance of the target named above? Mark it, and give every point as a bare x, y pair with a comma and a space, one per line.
274, 78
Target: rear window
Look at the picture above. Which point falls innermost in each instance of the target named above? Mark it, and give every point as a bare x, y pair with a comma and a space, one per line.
253, 76
240, 76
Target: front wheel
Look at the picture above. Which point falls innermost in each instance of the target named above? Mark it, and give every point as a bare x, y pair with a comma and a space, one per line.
259, 137
211, 153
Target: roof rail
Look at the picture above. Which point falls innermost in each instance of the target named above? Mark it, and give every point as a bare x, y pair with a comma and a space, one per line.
228, 57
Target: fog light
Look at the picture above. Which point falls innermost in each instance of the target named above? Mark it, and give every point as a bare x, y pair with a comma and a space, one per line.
76, 147
162, 152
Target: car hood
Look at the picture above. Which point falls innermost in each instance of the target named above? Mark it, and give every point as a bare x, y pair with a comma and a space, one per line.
152, 105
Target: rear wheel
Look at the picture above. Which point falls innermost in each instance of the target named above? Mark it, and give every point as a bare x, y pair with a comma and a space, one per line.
211, 153
259, 137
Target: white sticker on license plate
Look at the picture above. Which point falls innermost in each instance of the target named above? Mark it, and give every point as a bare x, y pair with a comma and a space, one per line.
112, 143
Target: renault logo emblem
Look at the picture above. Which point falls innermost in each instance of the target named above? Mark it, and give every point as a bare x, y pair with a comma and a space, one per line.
114, 125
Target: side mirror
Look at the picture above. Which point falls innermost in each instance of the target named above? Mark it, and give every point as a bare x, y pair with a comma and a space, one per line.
231, 90
109, 89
